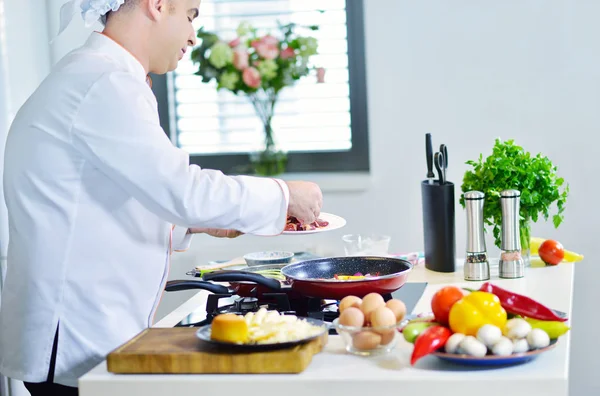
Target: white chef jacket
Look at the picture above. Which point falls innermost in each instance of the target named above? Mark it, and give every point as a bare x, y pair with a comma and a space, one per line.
93, 186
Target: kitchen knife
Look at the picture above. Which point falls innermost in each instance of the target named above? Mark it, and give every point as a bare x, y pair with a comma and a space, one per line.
429, 156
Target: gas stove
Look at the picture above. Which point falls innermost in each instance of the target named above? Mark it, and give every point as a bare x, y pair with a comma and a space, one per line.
326, 310
258, 294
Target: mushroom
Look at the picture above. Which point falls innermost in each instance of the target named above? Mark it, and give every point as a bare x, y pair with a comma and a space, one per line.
452, 345
538, 338
472, 346
503, 347
520, 345
489, 335
517, 328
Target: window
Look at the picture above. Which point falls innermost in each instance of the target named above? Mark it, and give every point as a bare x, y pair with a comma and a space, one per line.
322, 126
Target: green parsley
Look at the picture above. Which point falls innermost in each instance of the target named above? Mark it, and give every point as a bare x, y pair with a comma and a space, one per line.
511, 167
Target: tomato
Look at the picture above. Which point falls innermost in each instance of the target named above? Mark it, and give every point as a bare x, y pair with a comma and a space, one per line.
443, 300
551, 252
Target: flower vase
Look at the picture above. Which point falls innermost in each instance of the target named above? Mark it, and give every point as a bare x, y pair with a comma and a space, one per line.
525, 235
271, 161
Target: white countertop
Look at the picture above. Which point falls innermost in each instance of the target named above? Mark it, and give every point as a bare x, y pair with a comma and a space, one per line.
335, 372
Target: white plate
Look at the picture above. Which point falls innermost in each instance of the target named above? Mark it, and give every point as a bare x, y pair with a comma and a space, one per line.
335, 222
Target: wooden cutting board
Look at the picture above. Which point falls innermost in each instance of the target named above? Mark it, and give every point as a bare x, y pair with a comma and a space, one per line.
178, 351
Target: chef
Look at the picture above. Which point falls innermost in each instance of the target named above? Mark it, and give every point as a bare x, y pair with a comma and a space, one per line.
99, 198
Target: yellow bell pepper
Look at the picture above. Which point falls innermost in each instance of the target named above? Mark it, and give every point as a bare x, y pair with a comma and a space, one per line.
474, 310
350, 277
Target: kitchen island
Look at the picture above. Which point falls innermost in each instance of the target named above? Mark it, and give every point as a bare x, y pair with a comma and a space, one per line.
335, 372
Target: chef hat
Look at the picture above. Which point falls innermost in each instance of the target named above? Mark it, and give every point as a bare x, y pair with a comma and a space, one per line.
91, 11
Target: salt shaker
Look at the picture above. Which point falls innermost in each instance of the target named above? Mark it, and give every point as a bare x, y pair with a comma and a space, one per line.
511, 263
477, 267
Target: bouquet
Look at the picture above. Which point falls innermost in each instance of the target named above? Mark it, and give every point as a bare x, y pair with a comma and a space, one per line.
259, 67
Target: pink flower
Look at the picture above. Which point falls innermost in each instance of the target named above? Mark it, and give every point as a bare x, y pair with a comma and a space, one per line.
240, 58
270, 40
320, 75
251, 77
267, 47
235, 42
288, 53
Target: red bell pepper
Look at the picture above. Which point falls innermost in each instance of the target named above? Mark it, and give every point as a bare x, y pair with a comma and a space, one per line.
521, 305
429, 341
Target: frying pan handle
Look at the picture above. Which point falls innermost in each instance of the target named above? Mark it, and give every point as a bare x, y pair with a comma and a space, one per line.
177, 285
240, 276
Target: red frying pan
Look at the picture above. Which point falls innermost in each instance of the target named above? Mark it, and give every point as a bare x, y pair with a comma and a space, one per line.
317, 278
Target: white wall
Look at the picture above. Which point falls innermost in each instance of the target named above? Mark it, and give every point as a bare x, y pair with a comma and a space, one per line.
3, 129
74, 36
4, 122
27, 47
466, 71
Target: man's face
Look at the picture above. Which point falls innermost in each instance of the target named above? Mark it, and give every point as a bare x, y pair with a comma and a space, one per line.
175, 34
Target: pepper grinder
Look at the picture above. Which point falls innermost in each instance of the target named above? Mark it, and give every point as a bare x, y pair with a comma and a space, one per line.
511, 262
477, 267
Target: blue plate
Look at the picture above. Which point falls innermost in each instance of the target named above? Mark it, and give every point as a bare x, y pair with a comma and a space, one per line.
493, 360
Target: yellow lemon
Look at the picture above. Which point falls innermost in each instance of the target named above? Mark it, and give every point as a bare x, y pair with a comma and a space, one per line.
534, 245
572, 257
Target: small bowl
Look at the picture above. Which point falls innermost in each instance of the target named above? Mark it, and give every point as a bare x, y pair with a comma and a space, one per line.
270, 257
368, 341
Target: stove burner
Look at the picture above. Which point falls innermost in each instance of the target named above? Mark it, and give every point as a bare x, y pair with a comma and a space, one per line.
282, 302
247, 304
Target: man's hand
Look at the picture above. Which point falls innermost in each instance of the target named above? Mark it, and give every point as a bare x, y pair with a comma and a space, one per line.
306, 200
215, 232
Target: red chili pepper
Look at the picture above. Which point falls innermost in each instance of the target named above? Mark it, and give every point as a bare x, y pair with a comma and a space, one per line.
521, 305
429, 341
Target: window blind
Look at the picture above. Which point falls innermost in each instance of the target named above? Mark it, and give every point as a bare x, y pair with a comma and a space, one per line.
309, 117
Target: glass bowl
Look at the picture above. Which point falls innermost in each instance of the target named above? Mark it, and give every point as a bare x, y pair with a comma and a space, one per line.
366, 340
366, 244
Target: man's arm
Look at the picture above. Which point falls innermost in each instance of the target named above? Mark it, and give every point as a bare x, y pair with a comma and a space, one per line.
118, 131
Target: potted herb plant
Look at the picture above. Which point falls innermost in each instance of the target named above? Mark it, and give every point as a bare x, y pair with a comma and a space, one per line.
511, 167
259, 66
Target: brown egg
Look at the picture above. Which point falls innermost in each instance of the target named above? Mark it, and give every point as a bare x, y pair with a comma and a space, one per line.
388, 337
398, 308
349, 301
370, 303
352, 317
366, 340
383, 317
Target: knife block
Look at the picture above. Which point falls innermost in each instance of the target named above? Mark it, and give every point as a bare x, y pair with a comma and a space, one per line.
439, 226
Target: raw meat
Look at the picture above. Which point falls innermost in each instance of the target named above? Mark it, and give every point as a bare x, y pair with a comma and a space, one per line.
293, 224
